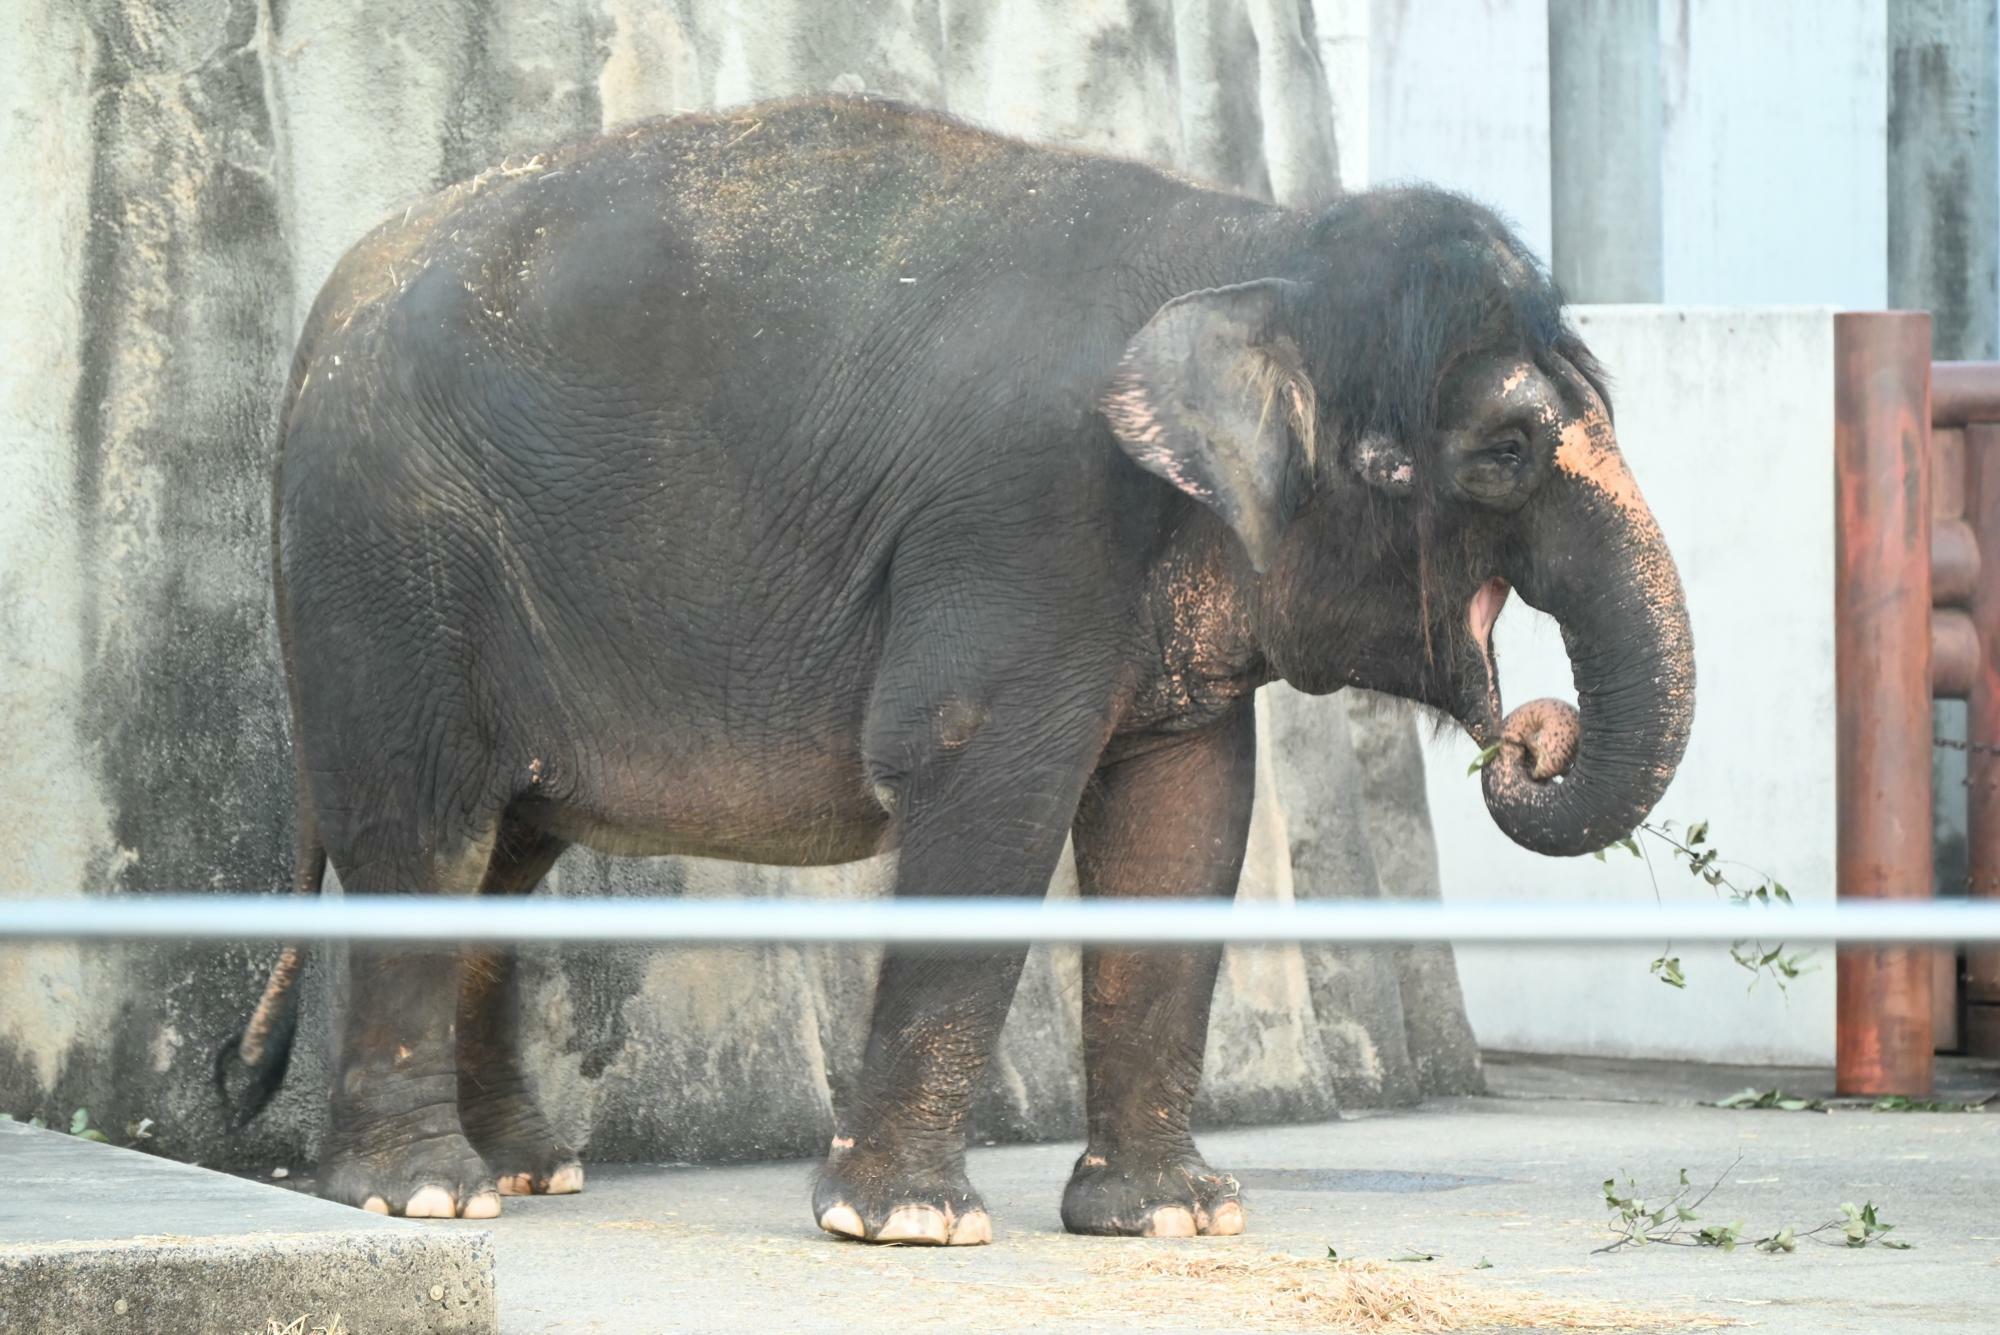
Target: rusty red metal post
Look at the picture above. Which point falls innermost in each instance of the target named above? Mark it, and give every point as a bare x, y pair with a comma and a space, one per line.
1882, 674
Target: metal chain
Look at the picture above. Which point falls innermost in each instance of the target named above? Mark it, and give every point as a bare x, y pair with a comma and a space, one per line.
1970, 883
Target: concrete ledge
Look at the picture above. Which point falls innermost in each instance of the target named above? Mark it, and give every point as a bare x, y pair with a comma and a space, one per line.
108, 1240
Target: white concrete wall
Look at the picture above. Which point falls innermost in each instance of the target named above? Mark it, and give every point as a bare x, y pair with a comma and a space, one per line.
1774, 133
1775, 152
57, 838
1459, 96
1726, 416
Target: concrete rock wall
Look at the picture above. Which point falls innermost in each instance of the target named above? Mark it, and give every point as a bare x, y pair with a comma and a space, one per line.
184, 176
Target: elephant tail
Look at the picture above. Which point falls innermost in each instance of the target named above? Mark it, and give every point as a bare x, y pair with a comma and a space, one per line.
251, 1065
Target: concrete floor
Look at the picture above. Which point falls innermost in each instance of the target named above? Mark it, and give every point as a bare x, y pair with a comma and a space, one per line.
1513, 1180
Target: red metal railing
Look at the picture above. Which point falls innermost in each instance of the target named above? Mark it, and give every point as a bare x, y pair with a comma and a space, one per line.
1917, 486
1965, 420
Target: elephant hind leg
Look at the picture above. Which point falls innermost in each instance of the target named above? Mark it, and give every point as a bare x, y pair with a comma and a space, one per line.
394, 1143
983, 777
496, 1098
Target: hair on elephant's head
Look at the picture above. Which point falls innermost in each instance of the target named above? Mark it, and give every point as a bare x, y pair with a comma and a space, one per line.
1401, 428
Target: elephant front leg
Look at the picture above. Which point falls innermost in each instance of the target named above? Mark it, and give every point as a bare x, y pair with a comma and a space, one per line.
982, 810
1167, 822
898, 1172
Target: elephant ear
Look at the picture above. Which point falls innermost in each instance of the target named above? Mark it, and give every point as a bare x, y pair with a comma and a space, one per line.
1383, 463
1213, 396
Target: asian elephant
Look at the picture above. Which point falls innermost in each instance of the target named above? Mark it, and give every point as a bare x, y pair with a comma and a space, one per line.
916, 488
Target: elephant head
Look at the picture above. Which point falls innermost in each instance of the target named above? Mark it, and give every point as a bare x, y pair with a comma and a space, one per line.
1401, 429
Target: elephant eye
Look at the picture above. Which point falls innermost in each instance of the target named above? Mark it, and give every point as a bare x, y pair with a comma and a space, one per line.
1508, 450
1494, 471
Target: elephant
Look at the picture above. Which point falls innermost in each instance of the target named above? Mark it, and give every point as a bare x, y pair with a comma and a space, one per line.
826, 477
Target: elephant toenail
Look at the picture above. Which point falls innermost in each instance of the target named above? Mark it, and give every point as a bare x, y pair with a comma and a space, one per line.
844, 1221
1170, 1221
375, 1205
517, 1184
1227, 1221
566, 1181
486, 1205
430, 1203
917, 1224
971, 1230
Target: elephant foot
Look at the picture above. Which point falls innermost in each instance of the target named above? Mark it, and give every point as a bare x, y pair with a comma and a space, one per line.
417, 1175
1136, 1194
525, 1155
870, 1199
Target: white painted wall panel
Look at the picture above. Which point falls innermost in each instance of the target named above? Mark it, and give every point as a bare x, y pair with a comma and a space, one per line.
1726, 417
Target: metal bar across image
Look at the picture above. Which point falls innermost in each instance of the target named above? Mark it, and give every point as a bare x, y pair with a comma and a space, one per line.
982, 922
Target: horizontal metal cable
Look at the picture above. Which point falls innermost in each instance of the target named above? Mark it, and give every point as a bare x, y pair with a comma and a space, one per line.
980, 921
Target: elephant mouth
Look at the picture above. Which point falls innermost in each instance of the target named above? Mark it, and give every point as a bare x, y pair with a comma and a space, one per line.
1484, 611
1482, 717
1538, 741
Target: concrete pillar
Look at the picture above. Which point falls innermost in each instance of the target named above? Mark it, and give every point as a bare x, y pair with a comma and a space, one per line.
1944, 171
1458, 96
1341, 29
1772, 152
1604, 149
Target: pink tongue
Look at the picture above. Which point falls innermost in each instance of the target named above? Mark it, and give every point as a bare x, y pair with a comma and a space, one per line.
1485, 610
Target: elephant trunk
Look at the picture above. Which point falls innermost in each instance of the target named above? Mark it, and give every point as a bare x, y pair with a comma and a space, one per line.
1600, 567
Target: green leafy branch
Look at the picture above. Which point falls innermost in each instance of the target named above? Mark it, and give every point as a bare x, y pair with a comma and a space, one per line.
1644, 1222
1705, 862
1692, 850
1754, 1098
1334, 1255
1859, 1226
1897, 1103
80, 1127
1770, 1098
1675, 1221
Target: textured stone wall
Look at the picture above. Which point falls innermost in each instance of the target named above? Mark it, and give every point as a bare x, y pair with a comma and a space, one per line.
182, 177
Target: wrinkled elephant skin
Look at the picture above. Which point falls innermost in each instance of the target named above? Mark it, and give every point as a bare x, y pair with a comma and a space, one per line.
916, 489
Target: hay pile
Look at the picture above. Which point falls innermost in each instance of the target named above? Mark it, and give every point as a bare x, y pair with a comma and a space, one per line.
1283, 1293
1298, 1293
297, 1326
